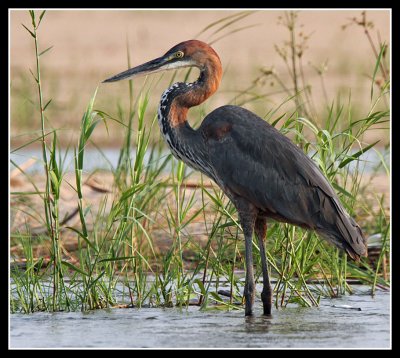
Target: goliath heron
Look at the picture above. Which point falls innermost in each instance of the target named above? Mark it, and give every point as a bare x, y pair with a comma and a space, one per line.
260, 170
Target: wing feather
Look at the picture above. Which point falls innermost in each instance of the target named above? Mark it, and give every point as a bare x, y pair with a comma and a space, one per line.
255, 161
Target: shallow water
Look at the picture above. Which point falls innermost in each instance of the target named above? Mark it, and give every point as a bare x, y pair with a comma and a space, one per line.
93, 159
292, 327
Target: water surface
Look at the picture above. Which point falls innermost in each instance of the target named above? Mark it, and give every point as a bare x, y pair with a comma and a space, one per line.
292, 327
108, 159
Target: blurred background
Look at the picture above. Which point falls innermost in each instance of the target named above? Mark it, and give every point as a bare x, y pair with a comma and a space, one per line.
89, 46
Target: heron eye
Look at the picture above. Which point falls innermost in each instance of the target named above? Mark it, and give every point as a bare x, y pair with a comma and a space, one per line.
179, 54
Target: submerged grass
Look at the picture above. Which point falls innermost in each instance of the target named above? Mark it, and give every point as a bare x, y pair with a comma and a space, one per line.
118, 258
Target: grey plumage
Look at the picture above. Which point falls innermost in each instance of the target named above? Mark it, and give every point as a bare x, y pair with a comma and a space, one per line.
255, 161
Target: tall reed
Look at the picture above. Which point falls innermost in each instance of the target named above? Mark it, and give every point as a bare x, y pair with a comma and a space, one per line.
53, 172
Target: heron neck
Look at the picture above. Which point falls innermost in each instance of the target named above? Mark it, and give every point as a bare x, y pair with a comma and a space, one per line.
176, 100
172, 115
204, 87
183, 96
186, 143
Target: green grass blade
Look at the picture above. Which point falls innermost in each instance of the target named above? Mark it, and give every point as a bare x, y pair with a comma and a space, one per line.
356, 155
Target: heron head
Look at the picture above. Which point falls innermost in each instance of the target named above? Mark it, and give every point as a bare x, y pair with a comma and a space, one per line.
185, 54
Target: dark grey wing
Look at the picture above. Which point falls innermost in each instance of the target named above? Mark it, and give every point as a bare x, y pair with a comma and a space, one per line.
255, 161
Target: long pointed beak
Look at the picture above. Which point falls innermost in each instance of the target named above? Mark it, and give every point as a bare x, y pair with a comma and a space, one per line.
152, 66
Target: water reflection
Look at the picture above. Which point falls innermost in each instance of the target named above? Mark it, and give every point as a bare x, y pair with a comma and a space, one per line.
290, 327
260, 324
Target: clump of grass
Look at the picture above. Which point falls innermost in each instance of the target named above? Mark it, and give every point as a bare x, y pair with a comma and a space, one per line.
334, 147
90, 271
53, 173
31, 293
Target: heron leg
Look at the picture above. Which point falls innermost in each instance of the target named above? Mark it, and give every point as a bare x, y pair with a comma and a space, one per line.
266, 294
247, 216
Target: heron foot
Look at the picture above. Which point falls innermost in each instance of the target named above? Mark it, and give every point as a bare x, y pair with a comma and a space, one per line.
267, 311
266, 298
248, 311
249, 299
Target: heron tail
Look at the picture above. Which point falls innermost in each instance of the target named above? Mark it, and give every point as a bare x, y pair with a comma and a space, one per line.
344, 232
